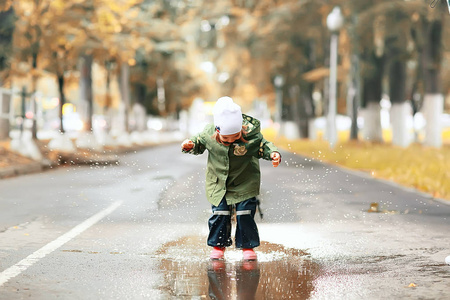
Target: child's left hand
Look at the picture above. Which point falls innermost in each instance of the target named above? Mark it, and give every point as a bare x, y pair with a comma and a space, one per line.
276, 159
187, 145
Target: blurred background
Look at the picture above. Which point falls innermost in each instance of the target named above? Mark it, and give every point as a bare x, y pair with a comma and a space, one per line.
331, 70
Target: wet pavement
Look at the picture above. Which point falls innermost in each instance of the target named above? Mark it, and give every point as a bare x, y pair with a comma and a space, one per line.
279, 273
322, 235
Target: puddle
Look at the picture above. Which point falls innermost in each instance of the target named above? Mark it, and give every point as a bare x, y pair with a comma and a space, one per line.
279, 273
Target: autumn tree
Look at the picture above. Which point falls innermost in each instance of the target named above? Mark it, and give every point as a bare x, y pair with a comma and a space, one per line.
33, 21
295, 45
7, 19
249, 43
62, 45
164, 46
393, 44
370, 31
137, 37
160, 66
403, 31
428, 33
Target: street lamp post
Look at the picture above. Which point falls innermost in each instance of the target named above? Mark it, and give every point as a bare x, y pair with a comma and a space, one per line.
279, 82
335, 21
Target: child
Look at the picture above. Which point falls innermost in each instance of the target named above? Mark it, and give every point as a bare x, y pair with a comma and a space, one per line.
234, 145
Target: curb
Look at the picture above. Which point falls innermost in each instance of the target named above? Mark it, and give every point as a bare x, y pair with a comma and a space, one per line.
45, 164
80, 159
33, 167
109, 158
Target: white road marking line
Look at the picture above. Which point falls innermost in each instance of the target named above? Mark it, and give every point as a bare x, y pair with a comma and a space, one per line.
22, 265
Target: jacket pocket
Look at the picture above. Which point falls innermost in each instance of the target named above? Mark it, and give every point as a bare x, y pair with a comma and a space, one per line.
212, 178
211, 183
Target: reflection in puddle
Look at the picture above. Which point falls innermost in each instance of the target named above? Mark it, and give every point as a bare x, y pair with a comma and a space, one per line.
279, 273
238, 283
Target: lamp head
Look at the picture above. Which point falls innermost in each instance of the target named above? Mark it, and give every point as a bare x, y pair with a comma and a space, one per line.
278, 81
335, 20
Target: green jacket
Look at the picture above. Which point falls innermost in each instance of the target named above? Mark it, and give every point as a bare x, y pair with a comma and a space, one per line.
233, 171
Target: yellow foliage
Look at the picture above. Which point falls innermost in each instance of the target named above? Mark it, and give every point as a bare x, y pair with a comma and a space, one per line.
5, 5
426, 169
107, 22
446, 134
23, 8
58, 5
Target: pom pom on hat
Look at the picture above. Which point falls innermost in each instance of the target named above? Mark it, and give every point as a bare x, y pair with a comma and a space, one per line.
227, 116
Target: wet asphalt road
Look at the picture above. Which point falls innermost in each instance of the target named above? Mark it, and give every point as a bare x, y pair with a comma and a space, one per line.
137, 230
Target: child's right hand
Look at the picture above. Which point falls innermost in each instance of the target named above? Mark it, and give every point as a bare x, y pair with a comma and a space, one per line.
187, 145
276, 159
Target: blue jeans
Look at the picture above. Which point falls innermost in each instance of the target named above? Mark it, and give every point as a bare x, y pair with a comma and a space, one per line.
246, 235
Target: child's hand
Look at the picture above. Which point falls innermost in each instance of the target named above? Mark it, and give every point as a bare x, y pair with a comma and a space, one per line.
187, 145
276, 159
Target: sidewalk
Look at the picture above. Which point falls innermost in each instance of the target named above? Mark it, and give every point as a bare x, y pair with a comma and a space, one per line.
14, 164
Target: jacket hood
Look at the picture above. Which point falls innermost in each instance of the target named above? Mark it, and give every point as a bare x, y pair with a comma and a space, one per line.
253, 125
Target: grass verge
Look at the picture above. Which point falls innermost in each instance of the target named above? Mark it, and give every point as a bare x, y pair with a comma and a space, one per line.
426, 169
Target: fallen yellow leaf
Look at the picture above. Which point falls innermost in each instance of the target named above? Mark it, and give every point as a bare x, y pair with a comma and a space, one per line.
412, 284
373, 207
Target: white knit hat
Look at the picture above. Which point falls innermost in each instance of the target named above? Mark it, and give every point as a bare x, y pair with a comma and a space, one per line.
227, 116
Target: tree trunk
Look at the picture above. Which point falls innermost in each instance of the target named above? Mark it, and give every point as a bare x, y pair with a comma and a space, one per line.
372, 94
306, 103
138, 112
161, 94
290, 128
124, 84
141, 92
400, 113
34, 79
433, 101
305, 108
86, 90
433, 108
372, 130
5, 100
307, 112
400, 109
62, 101
108, 100
354, 96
